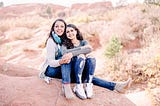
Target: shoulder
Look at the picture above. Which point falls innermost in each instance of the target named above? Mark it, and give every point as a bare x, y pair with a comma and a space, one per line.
50, 42
84, 42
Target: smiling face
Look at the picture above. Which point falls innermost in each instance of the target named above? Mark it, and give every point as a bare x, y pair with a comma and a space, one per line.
71, 33
59, 28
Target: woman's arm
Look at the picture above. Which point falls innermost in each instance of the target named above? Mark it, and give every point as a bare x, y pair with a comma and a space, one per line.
51, 51
78, 50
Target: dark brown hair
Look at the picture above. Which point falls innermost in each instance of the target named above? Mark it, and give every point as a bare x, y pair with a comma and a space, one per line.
52, 29
67, 41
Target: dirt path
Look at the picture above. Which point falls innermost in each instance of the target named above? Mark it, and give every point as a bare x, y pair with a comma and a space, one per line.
140, 98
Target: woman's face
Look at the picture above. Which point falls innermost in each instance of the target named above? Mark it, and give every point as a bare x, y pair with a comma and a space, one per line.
59, 28
71, 33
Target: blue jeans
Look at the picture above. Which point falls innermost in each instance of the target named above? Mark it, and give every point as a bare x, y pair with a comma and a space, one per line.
103, 83
63, 71
78, 64
89, 69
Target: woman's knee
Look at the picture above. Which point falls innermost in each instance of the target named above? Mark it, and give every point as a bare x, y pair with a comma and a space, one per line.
81, 56
89, 55
91, 60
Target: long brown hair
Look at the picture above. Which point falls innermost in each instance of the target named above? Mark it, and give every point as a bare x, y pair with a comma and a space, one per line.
52, 29
67, 42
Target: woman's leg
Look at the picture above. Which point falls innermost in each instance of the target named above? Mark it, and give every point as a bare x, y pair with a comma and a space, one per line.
79, 67
66, 80
53, 72
118, 86
103, 83
66, 73
79, 62
89, 72
89, 69
88, 75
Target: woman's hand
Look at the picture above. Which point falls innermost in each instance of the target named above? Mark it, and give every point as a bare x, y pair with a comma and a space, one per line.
66, 58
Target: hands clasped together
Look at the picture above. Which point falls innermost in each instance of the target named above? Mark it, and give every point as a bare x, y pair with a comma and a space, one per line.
66, 58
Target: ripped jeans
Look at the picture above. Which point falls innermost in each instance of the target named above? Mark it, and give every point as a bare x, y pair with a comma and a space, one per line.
78, 70
83, 69
70, 73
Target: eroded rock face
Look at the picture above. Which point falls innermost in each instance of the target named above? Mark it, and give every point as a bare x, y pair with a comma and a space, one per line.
20, 86
31, 91
19, 82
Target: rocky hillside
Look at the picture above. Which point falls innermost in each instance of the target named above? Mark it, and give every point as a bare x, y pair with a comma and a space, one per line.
24, 29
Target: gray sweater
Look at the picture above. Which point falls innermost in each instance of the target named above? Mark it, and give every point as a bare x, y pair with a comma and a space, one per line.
81, 49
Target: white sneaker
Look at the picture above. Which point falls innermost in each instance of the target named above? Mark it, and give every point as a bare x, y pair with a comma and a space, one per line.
78, 89
89, 90
47, 79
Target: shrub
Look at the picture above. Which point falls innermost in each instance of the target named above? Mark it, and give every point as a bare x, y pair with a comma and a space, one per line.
114, 46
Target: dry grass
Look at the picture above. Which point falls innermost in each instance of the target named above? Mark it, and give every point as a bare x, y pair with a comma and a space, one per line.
28, 22
22, 34
5, 50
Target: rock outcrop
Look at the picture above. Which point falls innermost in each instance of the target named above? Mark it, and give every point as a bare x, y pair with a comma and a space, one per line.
20, 86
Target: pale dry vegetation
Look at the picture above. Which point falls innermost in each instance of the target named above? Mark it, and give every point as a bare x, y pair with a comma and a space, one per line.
142, 63
28, 22
136, 22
